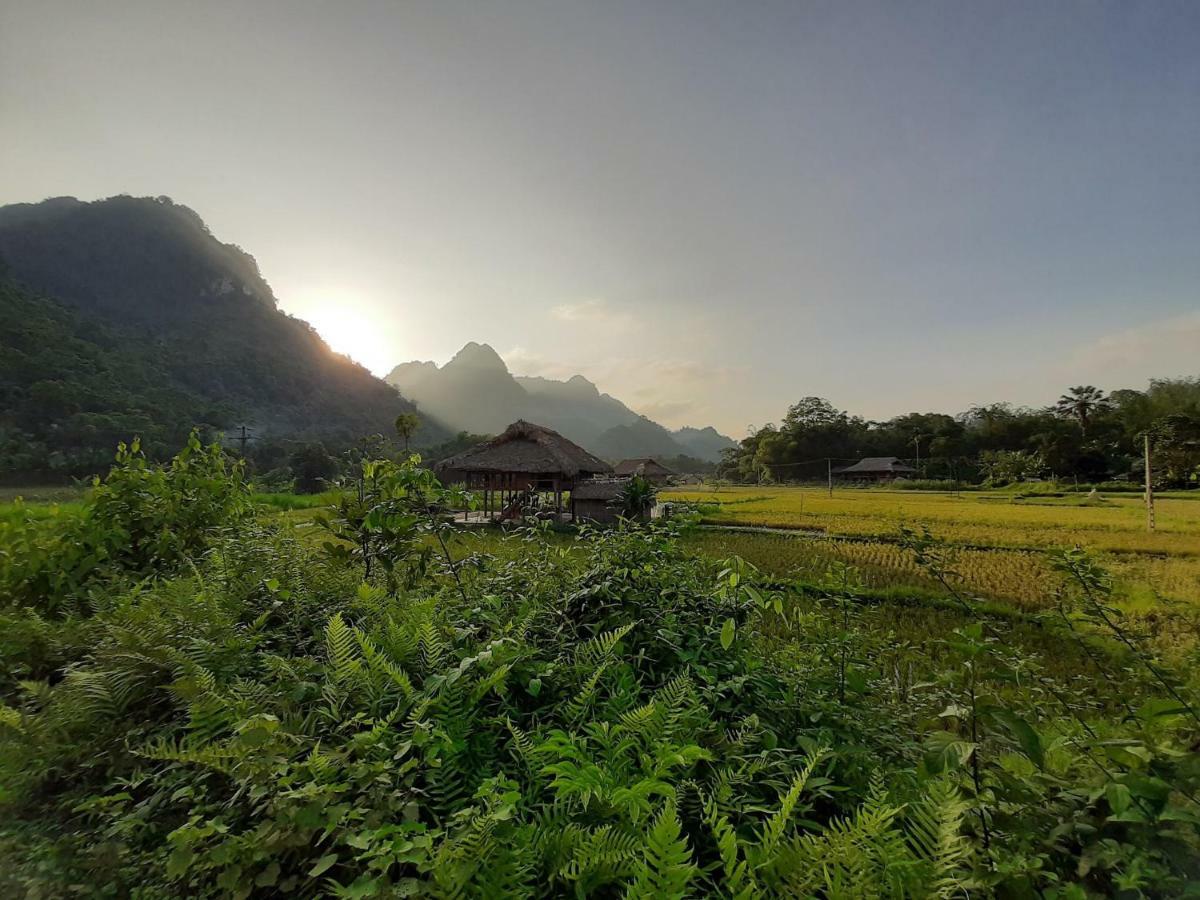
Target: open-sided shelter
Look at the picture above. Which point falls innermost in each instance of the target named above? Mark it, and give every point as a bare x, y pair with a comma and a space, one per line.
515, 468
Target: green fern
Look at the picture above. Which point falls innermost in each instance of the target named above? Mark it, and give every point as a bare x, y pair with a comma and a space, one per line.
221, 757
341, 651
599, 650
601, 857
740, 882
935, 831
666, 869
777, 824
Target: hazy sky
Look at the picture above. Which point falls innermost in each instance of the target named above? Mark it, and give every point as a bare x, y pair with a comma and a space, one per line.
710, 209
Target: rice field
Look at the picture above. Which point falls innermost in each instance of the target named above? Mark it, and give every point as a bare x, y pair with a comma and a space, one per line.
1001, 538
1112, 522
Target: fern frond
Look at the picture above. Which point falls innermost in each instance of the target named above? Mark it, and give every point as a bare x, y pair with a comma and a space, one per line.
523, 744
935, 832
431, 647
667, 868
602, 856
220, 757
599, 650
777, 824
579, 706
739, 877
400, 640
341, 651
382, 669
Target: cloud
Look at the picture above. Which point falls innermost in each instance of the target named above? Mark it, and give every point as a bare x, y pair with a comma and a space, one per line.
593, 312
1159, 349
522, 361
672, 391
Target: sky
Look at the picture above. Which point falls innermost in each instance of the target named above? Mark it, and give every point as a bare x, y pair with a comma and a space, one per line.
711, 209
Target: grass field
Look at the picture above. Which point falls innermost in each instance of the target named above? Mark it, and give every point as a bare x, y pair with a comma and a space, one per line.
1001, 537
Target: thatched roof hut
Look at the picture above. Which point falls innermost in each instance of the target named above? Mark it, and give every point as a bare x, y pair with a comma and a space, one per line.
876, 468
647, 467
527, 449
519, 464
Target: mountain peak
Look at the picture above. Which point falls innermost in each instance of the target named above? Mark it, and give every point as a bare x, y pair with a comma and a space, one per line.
477, 356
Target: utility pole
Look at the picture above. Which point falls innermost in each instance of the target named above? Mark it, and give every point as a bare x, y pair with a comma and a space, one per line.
917, 444
1149, 489
829, 475
241, 439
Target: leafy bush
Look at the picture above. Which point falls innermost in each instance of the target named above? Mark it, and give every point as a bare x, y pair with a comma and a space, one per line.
1003, 467
142, 519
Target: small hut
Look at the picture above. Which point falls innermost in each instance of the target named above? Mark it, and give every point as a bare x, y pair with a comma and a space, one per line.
517, 468
876, 468
593, 501
650, 469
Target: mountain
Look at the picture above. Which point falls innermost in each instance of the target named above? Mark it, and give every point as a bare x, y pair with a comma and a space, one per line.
127, 315
476, 392
640, 437
703, 443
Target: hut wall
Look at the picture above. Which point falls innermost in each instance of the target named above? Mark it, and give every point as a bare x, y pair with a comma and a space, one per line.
595, 511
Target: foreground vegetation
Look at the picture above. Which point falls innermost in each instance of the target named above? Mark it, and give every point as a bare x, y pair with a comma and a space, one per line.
198, 697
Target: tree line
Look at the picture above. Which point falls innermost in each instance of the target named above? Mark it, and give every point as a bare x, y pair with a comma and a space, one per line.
1087, 435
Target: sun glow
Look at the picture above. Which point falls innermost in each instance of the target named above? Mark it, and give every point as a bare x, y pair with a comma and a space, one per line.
349, 332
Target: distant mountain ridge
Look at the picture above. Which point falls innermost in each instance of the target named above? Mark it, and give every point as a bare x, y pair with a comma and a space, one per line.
475, 392
142, 285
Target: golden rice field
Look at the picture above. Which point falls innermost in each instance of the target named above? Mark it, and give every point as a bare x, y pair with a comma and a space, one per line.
1001, 538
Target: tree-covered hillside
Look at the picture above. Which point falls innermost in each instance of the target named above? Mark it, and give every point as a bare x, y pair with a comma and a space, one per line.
127, 314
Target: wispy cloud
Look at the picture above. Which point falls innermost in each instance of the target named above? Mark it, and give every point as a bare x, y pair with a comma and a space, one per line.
1157, 349
593, 312
673, 391
522, 361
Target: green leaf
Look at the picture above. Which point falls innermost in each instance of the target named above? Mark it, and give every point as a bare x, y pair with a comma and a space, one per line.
268, 876
1028, 739
534, 687
1152, 709
322, 864
727, 633
1118, 796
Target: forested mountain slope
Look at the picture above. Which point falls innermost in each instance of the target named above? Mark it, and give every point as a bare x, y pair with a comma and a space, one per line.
128, 315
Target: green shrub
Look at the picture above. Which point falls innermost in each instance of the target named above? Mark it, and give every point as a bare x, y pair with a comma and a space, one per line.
141, 520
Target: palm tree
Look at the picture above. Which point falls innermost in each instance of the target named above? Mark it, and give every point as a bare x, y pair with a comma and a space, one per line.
635, 499
1081, 403
406, 426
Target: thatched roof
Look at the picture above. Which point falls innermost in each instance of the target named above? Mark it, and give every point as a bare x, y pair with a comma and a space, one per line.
527, 448
599, 489
876, 465
643, 466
